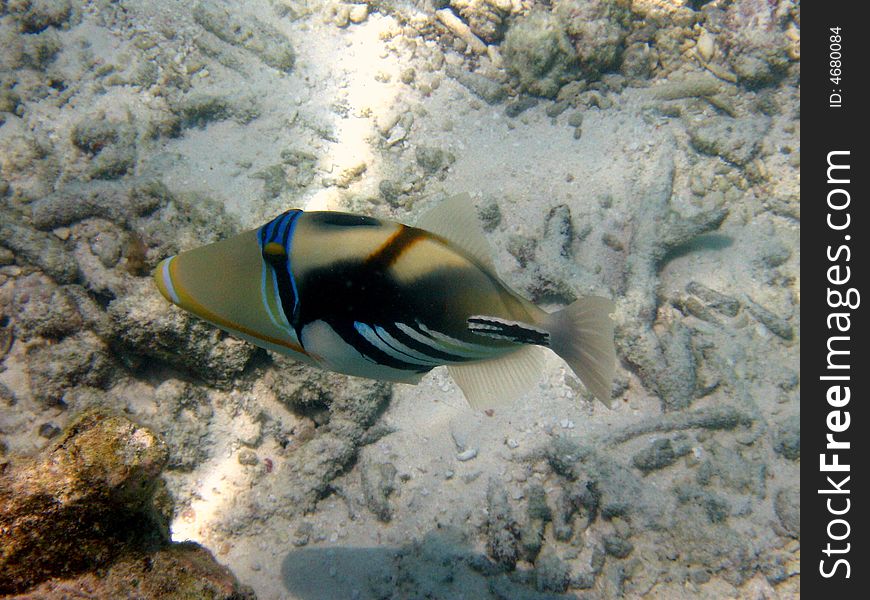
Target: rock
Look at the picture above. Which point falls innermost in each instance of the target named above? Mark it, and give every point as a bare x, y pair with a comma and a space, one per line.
378, 482
531, 539
489, 214
461, 30
78, 360
40, 308
575, 119
484, 17
104, 470
348, 407
430, 159
693, 306
390, 191
566, 507
558, 236
200, 109
706, 45
113, 163
522, 248
787, 438
741, 471
583, 580
7, 397
502, 531
93, 134
48, 431
552, 574
492, 92
99, 245
718, 301
756, 46
261, 39
787, 505
143, 323
735, 140
664, 360
519, 106
247, 457
104, 239
617, 546
295, 171
35, 16
716, 417
774, 323
599, 484
358, 13
117, 201
715, 507
182, 416
690, 86
639, 60
41, 249
407, 76
597, 30
539, 53
557, 108
302, 534
341, 15
772, 253
691, 541
658, 455
84, 515
110, 145
537, 503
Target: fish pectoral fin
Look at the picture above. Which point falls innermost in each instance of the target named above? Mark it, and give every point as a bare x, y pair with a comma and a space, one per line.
498, 381
505, 329
456, 220
410, 378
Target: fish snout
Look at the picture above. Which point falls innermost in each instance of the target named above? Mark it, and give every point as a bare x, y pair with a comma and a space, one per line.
163, 280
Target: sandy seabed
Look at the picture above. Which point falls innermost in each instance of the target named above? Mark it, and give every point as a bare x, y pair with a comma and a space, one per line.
647, 151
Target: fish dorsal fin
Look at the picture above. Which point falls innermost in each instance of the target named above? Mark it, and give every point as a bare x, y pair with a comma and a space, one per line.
499, 381
455, 219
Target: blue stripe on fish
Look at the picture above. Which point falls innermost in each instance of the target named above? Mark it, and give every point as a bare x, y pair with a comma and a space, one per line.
291, 229
280, 231
404, 348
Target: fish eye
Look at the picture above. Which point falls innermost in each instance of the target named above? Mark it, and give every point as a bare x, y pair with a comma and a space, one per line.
274, 252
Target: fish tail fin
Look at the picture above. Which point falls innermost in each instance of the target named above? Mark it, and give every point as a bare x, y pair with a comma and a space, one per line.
582, 335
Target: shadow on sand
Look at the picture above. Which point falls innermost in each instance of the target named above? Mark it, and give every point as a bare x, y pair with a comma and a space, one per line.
439, 566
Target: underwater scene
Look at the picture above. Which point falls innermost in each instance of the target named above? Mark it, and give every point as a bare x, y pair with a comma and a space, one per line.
400, 299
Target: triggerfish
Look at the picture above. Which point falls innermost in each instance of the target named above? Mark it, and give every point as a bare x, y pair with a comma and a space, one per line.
378, 299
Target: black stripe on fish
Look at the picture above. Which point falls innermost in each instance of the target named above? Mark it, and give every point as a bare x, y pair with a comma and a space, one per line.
394, 247
340, 219
513, 331
348, 332
349, 291
423, 348
363, 290
383, 340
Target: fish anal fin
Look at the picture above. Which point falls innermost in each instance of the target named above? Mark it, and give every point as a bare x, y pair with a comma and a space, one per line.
456, 220
499, 381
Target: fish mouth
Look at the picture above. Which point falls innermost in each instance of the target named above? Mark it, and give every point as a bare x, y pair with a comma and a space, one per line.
163, 280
